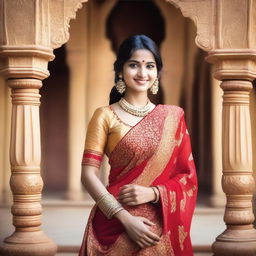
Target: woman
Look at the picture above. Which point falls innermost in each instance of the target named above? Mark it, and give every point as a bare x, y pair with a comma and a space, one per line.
148, 205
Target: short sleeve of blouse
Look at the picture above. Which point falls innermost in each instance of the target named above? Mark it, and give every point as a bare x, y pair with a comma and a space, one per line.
96, 138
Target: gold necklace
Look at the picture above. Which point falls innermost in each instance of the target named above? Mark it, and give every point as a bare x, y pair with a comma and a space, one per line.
133, 110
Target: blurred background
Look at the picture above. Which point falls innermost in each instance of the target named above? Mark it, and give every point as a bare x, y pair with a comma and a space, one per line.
80, 81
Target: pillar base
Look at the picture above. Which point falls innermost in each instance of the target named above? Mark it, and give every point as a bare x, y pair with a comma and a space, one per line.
28, 244
235, 242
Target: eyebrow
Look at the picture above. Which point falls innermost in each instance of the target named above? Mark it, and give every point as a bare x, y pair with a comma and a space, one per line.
149, 62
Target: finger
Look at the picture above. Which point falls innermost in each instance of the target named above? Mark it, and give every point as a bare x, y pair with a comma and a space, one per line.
127, 200
148, 222
140, 244
126, 195
145, 242
150, 240
125, 190
132, 203
153, 236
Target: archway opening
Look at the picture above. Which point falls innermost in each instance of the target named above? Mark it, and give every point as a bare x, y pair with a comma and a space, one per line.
136, 17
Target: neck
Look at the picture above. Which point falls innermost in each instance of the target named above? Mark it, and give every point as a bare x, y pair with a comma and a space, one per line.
138, 99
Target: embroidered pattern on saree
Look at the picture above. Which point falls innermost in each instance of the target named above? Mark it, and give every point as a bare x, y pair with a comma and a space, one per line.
162, 155
173, 201
182, 236
124, 244
144, 144
183, 202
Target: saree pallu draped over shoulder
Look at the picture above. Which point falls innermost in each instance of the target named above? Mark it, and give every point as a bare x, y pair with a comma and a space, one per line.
155, 152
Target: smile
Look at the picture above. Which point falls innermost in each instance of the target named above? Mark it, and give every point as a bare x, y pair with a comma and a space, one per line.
139, 81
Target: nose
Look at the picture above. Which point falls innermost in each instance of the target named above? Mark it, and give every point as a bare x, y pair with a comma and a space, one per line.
142, 72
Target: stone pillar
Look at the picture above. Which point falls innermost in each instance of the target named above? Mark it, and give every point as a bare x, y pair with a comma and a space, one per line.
226, 30
26, 182
29, 31
236, 70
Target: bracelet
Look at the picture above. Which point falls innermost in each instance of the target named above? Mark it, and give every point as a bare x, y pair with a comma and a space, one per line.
156, 192
109, 205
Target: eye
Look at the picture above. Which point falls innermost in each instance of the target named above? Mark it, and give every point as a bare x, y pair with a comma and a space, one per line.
150, 66
132, 65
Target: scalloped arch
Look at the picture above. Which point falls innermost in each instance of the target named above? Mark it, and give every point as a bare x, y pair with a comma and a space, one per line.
202, 13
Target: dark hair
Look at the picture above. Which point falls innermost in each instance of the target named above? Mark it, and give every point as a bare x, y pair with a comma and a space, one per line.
126, 49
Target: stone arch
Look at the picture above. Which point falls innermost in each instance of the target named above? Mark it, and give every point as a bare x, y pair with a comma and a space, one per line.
190, 9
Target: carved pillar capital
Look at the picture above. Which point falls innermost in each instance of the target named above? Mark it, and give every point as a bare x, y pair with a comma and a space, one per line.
25, 61
233, 64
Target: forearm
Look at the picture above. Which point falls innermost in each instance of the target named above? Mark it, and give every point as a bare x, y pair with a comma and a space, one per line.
96, 189
92, 183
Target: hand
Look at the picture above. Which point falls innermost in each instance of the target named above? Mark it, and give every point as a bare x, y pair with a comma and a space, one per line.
132, 194
138, 230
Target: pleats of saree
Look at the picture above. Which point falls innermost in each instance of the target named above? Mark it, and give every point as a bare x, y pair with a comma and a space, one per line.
124, 246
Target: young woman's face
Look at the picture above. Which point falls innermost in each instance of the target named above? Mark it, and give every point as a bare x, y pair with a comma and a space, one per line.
140, 71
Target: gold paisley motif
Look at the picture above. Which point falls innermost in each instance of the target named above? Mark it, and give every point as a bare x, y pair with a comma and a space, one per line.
182, 236
183, 180
190, 192
183, 202
173, 201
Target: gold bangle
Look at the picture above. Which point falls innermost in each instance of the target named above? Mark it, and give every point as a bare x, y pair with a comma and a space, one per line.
108, 205
156, 195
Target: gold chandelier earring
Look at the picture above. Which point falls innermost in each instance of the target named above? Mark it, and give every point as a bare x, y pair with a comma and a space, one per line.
120, 85
155, 86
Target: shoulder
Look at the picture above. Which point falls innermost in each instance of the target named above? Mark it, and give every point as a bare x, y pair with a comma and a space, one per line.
101, 110
101, 114
173, 109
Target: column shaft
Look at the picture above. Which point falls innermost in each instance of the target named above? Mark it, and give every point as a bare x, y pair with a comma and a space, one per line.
26, 182
237, 181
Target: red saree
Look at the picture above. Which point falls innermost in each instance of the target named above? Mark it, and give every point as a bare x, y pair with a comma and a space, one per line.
155, 152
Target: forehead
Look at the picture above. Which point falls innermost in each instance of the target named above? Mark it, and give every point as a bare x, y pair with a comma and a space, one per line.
143, 55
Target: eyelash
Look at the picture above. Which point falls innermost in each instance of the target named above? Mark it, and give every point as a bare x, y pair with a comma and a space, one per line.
133, 65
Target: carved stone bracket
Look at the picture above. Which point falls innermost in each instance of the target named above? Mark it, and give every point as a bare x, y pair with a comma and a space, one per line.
202, 13
60, 23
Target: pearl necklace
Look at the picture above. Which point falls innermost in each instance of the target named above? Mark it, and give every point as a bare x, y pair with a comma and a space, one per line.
133, 110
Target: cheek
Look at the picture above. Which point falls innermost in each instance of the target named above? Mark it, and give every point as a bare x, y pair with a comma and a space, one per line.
129, 74
153, 74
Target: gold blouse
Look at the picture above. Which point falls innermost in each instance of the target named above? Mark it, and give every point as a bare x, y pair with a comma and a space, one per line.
104, 131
